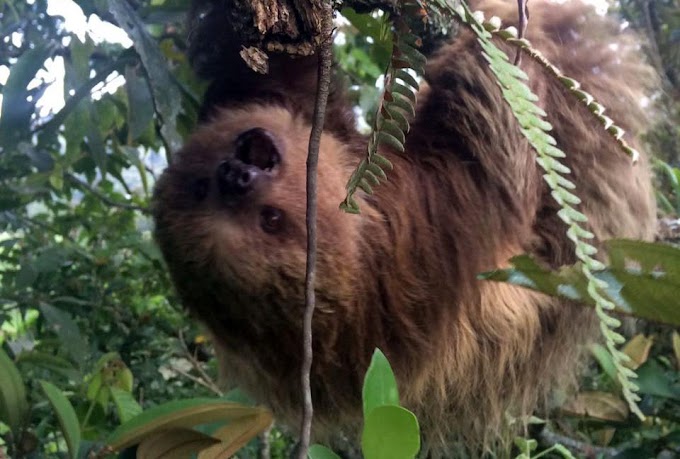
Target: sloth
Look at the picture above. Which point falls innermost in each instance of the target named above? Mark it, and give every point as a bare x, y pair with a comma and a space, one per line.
464, 197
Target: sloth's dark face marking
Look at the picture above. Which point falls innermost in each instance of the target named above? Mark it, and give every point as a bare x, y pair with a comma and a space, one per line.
254, 161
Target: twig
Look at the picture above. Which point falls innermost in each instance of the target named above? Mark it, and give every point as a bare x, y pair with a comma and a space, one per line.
197, 380
197, 366
547, 438
523, 11
105, 199
322, 89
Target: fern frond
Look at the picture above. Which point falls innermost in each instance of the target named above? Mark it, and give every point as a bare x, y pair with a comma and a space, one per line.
596, 109
536, 129
396, 107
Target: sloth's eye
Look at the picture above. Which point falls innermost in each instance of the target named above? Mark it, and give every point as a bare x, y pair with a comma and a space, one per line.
200, 188
271, 219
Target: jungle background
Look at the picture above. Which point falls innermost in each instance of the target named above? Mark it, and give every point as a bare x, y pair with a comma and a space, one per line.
86, 127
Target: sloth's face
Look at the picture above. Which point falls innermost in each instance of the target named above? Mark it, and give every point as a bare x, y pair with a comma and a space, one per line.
232, 204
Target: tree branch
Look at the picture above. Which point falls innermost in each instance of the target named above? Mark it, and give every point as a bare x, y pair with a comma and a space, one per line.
323, 85
105, 199
547, 438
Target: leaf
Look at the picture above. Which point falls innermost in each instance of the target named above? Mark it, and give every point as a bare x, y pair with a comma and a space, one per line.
637, 349
389, 140
15, 122
390, 432
48, 361
407, 78
604, 358
140, 102
599, 405
676, 348
178, 413
643, 279
13, 404
67, 330
126, 405
66, 415
237, 434
166, 95
380, 385
654, 380
177, 443
321, 452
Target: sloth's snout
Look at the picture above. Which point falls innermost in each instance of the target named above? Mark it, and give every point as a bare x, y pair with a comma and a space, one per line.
236, 178
256, 157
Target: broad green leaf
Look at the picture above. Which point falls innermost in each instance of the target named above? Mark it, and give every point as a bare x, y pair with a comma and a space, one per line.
321, 452
390, 432
643, 279
380, 385
176, 443
126, 405
66, 415
13, 404
236, 434
175, 414
653, 379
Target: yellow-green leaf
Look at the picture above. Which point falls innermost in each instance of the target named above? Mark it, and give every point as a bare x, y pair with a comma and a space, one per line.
236, 435
177, 443
638, 350
177, 414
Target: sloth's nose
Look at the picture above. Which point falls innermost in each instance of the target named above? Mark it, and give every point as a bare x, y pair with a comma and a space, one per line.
235, 178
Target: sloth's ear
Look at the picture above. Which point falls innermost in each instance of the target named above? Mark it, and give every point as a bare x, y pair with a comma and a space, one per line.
258, 147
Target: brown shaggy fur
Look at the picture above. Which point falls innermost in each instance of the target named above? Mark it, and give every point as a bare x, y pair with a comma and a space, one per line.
465, 197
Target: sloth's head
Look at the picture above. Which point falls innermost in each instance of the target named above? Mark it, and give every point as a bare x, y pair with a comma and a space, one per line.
231, 208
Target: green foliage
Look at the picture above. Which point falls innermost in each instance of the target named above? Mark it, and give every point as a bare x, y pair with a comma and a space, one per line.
380, 385
390, 430
391, 119
643, 279
13, 406
67, 417
522, 101
92, 336
172, 423
321, 452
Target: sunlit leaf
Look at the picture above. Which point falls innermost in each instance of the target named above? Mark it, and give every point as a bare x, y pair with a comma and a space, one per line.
390, 432
380, 385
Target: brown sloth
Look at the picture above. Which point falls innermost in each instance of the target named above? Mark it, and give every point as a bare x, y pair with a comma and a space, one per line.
464, 197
